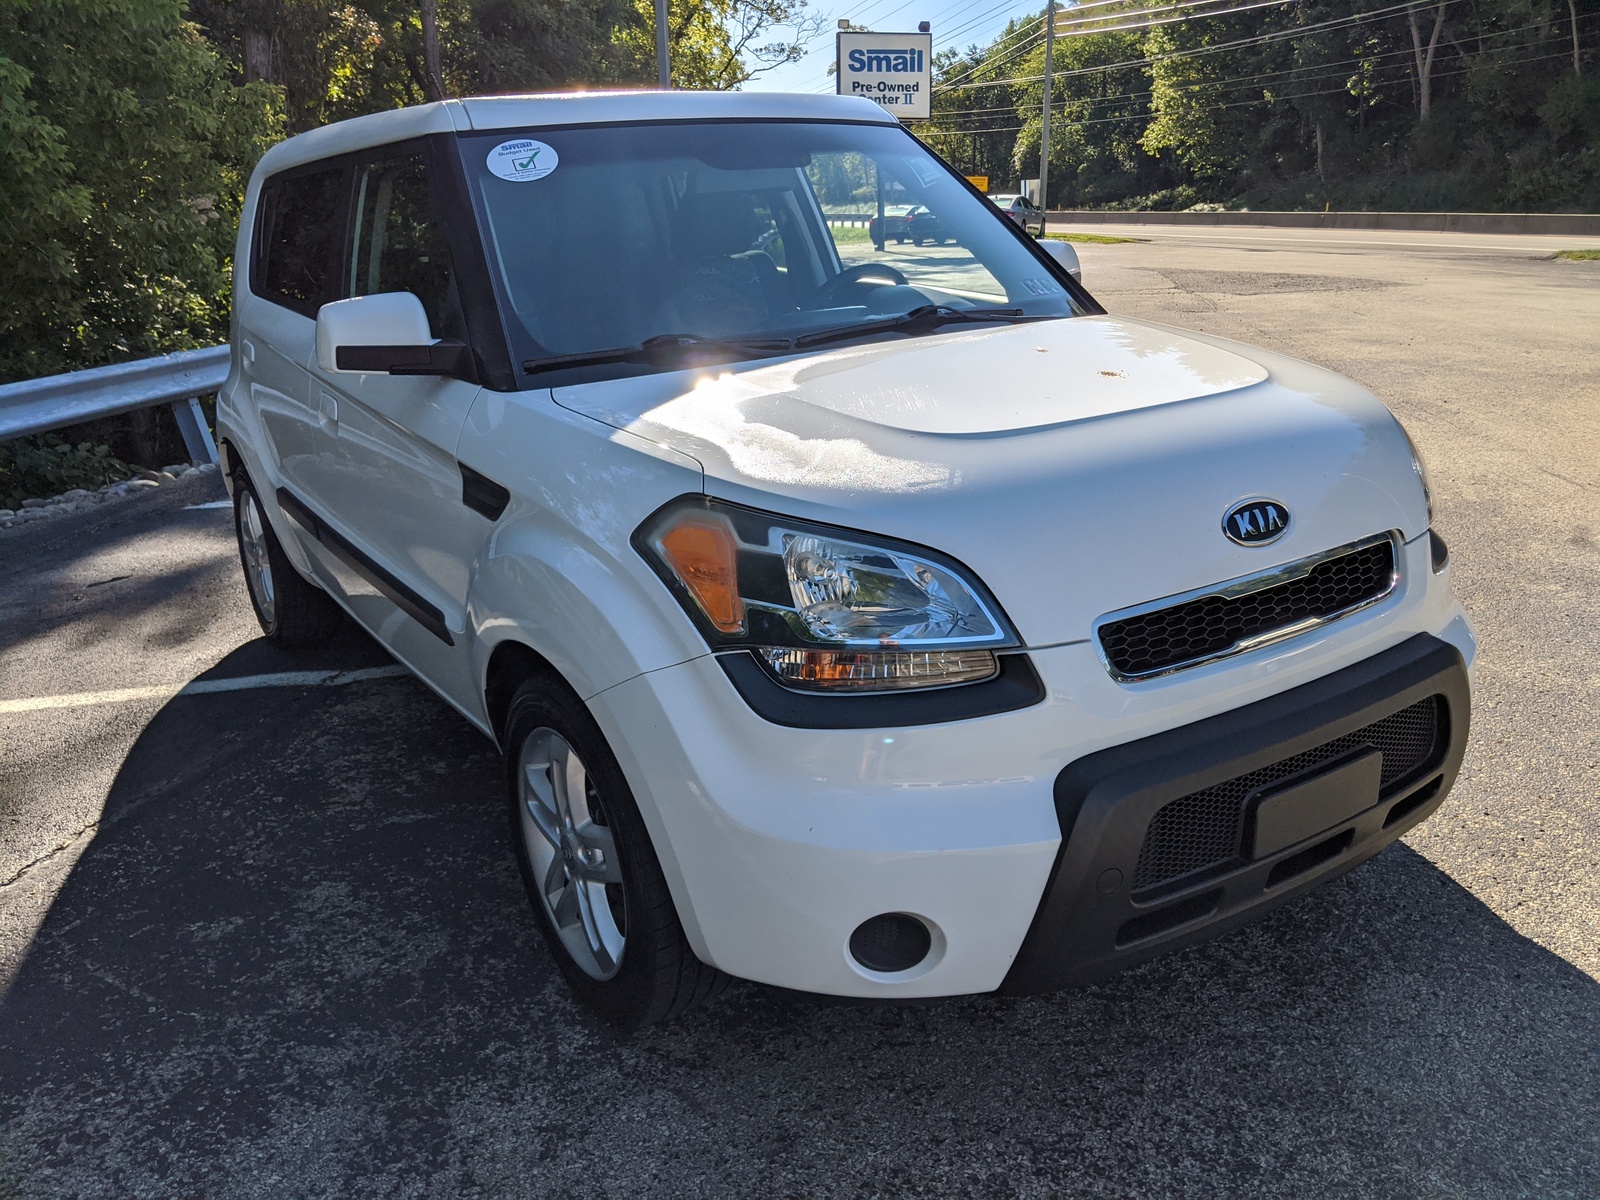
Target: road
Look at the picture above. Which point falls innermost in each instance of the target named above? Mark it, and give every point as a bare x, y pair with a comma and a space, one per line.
268, 940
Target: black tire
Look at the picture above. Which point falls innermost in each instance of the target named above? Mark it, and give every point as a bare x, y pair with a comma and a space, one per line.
655, 974
291, 610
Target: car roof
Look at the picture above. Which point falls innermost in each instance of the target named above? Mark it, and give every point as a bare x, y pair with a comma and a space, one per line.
485, 113
1001, 197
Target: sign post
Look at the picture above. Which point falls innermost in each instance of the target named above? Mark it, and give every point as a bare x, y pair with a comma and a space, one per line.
1044, 116
893, 69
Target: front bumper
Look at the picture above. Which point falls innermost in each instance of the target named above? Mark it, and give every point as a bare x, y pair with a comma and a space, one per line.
1341, 810
778, 841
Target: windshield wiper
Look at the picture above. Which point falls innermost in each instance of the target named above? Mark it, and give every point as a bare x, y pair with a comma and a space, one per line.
924, 317
663, 347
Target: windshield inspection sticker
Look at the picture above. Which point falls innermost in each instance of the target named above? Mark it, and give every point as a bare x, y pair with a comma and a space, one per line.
524, 160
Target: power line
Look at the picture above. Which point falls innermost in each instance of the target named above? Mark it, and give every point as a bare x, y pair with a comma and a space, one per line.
1199, 52
1322, 70
1146, 116
1210, 83
1185, 12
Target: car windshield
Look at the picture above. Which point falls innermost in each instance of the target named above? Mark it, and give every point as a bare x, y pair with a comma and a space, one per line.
606, 237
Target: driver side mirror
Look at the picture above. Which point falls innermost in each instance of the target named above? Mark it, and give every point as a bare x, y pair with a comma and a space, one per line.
1066, 257
386, 333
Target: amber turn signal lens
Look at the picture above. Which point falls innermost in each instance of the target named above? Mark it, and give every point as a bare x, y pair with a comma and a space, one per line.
878, 670
703, 554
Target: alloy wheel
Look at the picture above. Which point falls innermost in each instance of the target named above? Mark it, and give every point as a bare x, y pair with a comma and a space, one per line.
572, 852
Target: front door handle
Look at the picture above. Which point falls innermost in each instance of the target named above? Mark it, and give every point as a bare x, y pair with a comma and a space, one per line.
328, 412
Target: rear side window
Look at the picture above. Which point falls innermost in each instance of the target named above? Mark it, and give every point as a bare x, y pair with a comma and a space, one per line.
300, 239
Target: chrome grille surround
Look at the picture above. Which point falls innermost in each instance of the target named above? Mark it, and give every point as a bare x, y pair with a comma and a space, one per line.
1246, 585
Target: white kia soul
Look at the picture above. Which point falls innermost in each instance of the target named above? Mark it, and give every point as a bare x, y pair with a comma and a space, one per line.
881, 623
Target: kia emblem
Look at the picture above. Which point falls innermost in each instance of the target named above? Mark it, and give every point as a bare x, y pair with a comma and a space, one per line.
1256, 522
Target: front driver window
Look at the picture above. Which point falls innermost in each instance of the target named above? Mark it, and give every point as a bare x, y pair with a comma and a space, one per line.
398, 246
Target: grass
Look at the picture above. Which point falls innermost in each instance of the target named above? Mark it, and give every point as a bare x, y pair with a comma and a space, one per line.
1579, 255
1091, 239
849, 233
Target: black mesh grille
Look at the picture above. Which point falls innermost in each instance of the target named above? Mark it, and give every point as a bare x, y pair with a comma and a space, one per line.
1157, 640
1205, 829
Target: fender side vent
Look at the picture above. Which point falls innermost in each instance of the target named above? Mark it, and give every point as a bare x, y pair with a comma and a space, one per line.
482, 494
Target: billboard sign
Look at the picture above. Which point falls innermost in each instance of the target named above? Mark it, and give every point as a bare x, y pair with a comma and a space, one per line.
894, 69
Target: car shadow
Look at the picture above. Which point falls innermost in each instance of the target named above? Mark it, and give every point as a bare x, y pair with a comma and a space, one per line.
296, 959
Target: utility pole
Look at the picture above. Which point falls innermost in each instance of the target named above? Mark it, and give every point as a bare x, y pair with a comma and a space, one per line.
433, 61
1044, 120
663, 64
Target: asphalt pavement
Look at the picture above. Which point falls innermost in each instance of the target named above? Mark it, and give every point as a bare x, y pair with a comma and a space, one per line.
261, 933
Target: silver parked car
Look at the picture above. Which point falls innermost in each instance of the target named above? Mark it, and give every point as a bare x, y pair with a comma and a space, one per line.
1021, 210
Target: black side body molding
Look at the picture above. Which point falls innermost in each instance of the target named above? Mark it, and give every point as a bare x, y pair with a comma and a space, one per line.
482, 494
408, 601
1016, 686
1090, 924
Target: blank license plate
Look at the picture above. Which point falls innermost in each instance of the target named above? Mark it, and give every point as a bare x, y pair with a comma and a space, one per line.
1308, 807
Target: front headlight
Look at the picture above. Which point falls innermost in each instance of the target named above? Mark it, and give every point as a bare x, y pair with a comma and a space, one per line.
1420, 466
824, 608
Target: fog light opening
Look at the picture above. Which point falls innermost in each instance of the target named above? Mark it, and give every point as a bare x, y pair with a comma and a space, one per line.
891, 943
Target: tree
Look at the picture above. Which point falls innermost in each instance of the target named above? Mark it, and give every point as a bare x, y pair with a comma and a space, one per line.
1425, 60
715, 44
123, 154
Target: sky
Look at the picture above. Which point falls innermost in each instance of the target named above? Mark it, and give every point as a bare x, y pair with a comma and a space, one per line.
955, 22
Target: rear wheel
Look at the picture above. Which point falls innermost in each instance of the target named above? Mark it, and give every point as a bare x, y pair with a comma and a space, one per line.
290, 610
591, 874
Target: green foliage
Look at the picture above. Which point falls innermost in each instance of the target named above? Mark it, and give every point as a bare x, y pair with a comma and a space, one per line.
1579, 255
1091, 239
123, 149
1311, 104
336, 60
47, 465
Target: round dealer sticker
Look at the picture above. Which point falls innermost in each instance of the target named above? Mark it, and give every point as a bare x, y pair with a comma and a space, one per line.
524, 160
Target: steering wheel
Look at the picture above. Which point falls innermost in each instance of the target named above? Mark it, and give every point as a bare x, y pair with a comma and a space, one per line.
862, 274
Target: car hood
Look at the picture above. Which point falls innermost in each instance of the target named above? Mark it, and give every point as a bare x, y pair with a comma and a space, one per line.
1077, 466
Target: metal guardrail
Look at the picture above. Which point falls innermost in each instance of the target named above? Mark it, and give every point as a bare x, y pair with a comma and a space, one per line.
56, 401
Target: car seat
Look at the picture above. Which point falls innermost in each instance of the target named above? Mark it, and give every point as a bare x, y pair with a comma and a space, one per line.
723, 286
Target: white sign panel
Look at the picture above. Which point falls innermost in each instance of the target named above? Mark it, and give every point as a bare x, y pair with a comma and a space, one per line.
895, 69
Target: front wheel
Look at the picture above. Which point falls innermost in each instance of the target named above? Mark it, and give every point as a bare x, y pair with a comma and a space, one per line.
589, 869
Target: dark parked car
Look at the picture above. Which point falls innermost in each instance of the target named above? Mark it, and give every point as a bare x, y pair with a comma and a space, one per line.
893, 225
923, 225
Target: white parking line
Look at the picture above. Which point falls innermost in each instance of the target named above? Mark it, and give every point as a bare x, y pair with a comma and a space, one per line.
209, 504
202, 687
